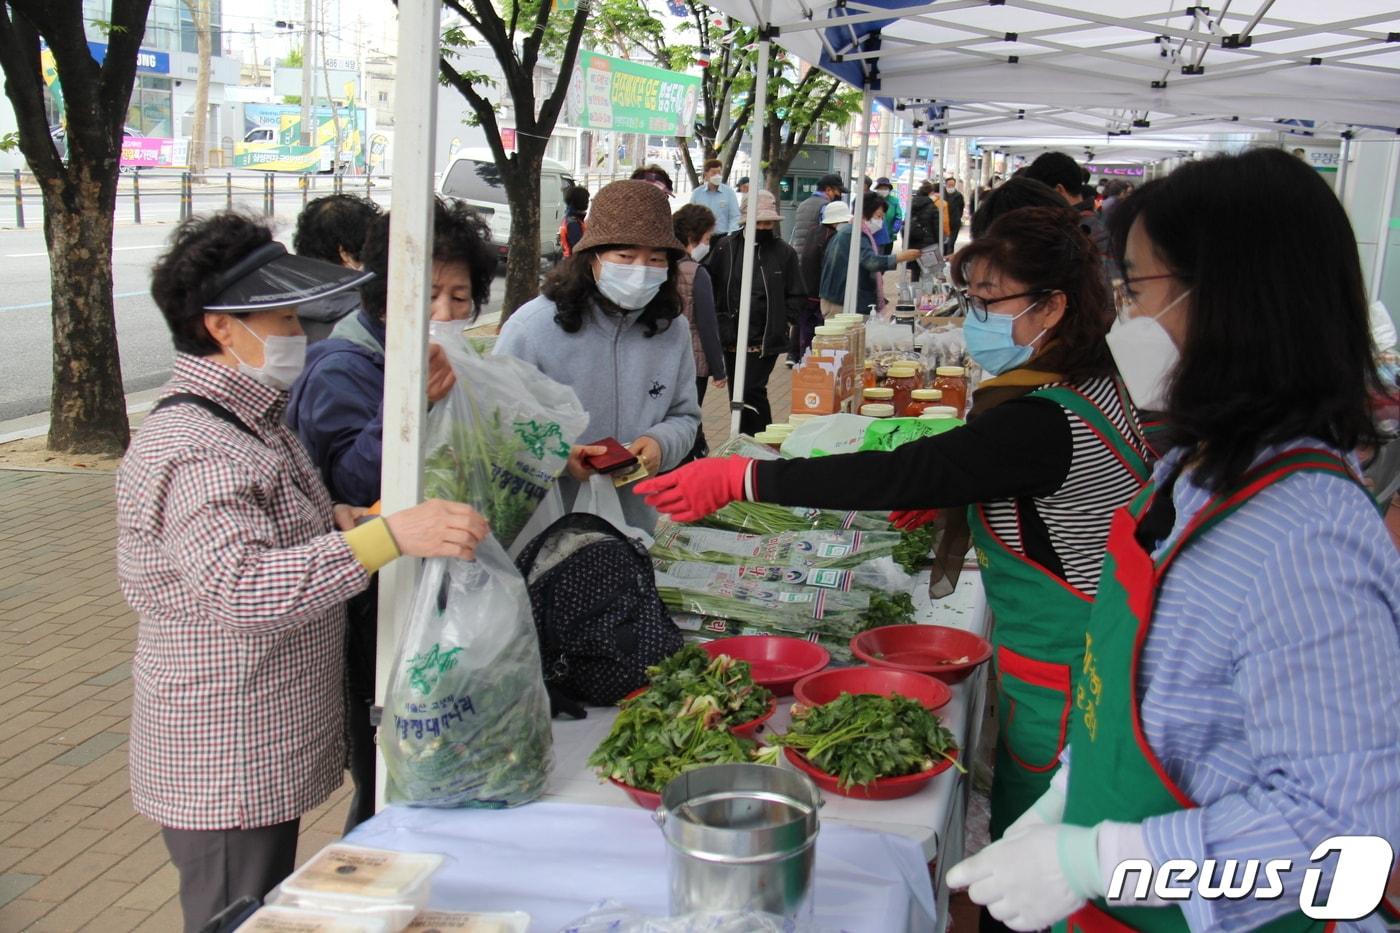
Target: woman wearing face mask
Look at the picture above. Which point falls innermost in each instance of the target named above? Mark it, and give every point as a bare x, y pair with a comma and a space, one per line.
694, 226
337, 409
872, 264
608, 324
238, 566
1239, 704
1050, 450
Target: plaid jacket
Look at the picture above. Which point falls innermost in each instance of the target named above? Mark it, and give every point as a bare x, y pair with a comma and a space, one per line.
227, 554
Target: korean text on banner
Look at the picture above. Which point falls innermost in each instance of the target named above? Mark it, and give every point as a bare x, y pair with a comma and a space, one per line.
613, 94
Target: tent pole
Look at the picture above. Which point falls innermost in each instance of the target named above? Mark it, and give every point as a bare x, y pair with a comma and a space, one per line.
1342, 162
913, 172
758, 181
406, 343
857, 197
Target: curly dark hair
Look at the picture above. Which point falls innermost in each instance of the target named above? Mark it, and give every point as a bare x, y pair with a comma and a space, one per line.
333, 223
872, 202
1278, 342
692, 222
1045, 248
183, 277
1014, 194
572, 288
459, 235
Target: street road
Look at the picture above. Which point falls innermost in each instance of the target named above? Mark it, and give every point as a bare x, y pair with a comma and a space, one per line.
144, 342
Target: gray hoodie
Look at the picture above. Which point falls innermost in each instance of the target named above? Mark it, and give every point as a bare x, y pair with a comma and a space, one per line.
629, 384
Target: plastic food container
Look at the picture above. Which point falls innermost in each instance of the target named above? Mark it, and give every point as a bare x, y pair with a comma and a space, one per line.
880, 394
775, 661
446, 921
357, 880
940, 412
920, 400
877, 410
903, 378
278, 919
771, 439
950, 654
797, 420
952, 382
781, 427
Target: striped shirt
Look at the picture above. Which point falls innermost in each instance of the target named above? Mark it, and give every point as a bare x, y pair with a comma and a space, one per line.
1270, 683
226, 553
1075, 517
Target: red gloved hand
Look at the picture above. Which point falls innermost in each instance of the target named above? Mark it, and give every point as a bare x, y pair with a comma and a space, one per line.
697, 489
910, 519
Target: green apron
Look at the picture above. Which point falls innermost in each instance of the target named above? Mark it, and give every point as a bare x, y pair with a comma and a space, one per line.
1114, 775
1036, 638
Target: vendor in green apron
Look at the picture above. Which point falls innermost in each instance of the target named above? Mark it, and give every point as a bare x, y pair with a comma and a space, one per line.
1239, 696
1052, 447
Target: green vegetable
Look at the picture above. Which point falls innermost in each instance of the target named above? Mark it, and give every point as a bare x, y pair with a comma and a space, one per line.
888, 609
691, 676
766, 519
801, 549
860, 737
915, 548
648, 746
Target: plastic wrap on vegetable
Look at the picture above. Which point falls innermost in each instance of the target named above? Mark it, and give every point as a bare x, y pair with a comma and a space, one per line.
612, 917
786, 549
501, 436
466, 722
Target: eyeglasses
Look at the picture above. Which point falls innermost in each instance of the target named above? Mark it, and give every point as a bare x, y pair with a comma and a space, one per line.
1125, 301
978, 306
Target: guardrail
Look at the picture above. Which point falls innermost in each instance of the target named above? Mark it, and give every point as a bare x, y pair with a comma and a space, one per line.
190, 194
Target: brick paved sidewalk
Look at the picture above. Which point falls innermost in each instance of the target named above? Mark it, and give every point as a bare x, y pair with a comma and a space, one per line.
73, 854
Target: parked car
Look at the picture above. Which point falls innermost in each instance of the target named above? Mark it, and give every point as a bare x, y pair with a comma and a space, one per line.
472, 177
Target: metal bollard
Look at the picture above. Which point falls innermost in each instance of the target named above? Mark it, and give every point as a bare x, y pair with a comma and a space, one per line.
136, 197
339, 183
228, 191
19, 202
305, 190
269, 195
369, 184
186, 196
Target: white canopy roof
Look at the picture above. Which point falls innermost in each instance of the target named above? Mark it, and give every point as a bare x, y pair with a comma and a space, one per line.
1332, 62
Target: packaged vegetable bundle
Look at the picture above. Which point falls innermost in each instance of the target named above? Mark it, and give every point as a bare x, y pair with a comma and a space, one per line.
794, 608
786, 549
466, 719
501, 436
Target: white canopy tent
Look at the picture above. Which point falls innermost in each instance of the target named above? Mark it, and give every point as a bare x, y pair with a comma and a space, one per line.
1080, 70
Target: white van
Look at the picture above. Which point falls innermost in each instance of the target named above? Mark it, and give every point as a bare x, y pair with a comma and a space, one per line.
472, 177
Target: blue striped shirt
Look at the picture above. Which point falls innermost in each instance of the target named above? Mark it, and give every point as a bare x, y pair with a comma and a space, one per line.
1270, 684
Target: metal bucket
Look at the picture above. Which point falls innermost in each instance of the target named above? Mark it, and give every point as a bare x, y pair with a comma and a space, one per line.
742, 837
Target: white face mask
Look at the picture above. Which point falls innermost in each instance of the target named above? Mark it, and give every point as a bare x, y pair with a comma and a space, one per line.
712, 179
283, 360
700, 251
1146, 356
630, 286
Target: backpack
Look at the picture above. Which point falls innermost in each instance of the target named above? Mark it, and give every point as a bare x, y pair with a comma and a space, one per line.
600, 619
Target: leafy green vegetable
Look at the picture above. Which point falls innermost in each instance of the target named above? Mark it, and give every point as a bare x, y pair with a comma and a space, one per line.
692, 676
915, 549
767, 519
861, 737
888, 609
802, 549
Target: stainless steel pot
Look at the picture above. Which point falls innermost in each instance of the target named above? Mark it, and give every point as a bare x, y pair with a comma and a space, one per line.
742, 837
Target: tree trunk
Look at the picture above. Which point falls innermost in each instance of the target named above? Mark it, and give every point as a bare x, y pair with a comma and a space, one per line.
88, 405
522, 181
199, 132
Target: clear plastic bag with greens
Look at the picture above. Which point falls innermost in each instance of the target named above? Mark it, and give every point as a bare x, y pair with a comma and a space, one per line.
501, 436
466, 720
785, 549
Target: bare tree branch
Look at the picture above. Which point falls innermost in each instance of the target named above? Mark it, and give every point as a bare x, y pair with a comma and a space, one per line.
24, 85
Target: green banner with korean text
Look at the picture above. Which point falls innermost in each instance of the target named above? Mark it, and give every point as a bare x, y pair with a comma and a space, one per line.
608, 93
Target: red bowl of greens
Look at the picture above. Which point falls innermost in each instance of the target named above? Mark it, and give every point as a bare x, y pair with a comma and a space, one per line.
884, 788
950, 654
775, 661
647, 799
818, 689
747, 729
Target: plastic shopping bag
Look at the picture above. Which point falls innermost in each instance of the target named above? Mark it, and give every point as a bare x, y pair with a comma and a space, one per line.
466, 719
599, 497
500, 438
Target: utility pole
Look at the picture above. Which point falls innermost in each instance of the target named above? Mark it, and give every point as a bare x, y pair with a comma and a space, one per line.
308, 54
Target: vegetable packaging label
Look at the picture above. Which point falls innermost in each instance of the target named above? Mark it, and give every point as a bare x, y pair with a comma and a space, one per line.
466, 721
500, 438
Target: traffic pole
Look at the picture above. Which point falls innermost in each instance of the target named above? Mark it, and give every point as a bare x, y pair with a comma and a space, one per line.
268, 194
228, 191
186, 208
136, 197
305, 190
19, 202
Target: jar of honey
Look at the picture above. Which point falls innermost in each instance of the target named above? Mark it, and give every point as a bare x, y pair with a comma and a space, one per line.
920, 400
903, 378
952, 382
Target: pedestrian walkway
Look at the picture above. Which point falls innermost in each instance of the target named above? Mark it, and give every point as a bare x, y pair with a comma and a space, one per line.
73, 854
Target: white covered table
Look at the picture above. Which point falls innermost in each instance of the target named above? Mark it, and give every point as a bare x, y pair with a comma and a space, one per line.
587, 841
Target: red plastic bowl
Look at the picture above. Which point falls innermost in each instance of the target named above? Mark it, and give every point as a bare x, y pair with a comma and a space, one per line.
886, 788
926, 649
647, 799
776, 661
745, 730
826, 686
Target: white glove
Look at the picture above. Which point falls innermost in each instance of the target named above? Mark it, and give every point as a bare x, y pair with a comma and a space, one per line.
1036, 878
1049, 808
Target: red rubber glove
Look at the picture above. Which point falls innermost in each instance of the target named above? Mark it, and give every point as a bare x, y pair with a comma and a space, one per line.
697, 489
910, 519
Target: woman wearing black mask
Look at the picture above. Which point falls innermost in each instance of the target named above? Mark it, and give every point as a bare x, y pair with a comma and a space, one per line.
778, 299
